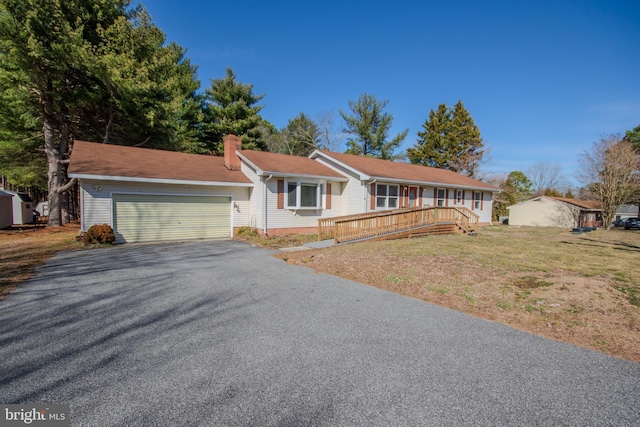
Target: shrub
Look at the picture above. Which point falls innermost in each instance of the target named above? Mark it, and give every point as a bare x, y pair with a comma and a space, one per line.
99, 234
246, 232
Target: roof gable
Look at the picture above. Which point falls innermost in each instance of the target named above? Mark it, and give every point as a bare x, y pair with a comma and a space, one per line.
386, 169
90, 159
286, 165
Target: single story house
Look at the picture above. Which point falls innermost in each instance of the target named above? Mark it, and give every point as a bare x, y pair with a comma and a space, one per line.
6, 209
152, 195
545, 211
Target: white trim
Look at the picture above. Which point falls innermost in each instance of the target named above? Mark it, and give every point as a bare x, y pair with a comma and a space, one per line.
480, 200
297, 175
261, 172
361, 176
299, 183
365, 177
434, 184
444, 197
160, 180
386, 206
258, 171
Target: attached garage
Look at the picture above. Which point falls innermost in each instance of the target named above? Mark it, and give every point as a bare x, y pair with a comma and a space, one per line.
148, 217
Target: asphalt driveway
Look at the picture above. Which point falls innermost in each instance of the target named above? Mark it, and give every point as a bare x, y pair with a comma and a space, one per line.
222, 333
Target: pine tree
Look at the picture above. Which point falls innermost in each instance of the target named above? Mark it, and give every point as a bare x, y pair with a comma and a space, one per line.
633, 136
230, 107
449, 140
515, 189
465, 142
369, 127
432, 148
77, 69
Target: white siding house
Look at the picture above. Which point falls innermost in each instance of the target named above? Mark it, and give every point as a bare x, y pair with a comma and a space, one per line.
375, 184
546, 211
148, 195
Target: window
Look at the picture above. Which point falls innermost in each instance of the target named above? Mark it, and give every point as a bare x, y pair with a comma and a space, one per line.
458, 197
477, 200
387, 196
303, 195
440, 197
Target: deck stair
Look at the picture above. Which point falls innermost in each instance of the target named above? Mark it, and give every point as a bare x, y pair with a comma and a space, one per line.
398, 223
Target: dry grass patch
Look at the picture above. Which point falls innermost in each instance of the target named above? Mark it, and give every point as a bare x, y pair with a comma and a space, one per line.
578, 288
246, 234
22, 251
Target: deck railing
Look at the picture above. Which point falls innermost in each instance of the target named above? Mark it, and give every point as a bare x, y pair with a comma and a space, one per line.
374, 224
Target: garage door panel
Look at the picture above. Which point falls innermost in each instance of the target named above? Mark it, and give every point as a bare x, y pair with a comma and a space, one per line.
140, 218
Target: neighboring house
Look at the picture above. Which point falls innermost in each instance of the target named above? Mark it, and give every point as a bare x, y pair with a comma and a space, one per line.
6, 209
627, 211
23, 207
148, 195
562, 212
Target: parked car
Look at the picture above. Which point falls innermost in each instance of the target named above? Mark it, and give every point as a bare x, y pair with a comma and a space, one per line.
619, 222
632, 223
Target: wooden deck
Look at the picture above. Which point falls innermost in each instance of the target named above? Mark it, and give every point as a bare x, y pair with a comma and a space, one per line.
398, 223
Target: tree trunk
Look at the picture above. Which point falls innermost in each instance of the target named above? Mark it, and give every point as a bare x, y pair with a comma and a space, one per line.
56, 144
54, 174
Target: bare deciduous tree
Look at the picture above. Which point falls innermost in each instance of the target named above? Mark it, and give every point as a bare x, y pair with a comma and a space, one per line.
331, 137
546, 176
611, 172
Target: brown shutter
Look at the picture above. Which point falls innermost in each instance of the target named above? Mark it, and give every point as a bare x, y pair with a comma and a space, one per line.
373, 197
328, 196
462, 197
446, 197
281, 194
481, 199
435, 197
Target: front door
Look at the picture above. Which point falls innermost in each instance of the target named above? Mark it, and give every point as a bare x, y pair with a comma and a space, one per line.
413, 196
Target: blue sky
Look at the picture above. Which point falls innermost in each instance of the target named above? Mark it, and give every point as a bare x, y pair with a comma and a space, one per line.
543, 79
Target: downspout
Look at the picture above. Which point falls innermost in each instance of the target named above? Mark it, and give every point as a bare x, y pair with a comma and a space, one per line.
264, 217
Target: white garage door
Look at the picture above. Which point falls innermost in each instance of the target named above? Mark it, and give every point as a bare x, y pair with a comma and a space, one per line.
145, 218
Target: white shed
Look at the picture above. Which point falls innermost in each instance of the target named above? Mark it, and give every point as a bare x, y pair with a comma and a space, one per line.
6, 209
22, 208
547, 211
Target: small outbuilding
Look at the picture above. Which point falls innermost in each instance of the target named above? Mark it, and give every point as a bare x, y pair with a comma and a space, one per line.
22, 207
561, 212
6, 209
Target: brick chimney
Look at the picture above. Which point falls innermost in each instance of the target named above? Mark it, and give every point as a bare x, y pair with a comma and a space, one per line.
231, 144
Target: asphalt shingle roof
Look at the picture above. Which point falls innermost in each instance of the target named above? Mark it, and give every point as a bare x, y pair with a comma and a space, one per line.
380, 169
106, 160
290, 165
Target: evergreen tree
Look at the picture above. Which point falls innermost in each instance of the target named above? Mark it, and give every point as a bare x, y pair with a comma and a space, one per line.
515, 189
633, 136
77, 69
432, 148
230, 107
449, 140
369, 129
